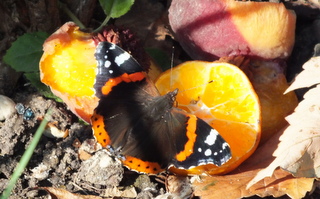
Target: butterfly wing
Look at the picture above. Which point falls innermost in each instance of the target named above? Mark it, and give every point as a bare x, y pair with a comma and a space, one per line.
122, 119
202, 144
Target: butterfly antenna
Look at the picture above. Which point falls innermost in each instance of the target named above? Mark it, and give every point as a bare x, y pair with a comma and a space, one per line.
171, 68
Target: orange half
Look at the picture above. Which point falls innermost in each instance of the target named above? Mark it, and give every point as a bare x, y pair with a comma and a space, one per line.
222, 95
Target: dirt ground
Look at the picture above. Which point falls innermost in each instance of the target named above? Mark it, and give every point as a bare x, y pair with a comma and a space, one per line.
75, 162
70, 163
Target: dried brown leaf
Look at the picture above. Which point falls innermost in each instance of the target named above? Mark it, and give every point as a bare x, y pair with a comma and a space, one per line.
298, 151
234, 186
113, 192
64, 194
309, 76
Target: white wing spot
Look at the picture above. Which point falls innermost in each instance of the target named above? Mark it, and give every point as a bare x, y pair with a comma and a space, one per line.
110, 71
113, 46
225, 145
208, 152
200, 150
215, 153
120, 59
211, 138
107, 64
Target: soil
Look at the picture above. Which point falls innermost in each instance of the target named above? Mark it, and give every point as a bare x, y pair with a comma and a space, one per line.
73, 161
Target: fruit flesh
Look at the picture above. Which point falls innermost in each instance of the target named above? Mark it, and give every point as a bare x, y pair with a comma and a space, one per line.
220, 94
270, 30
68, 67
269, 82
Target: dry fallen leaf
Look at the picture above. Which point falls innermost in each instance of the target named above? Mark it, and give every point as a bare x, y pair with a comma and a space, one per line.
298, 151
233, 185
114, 192
305, 130
64, 194
309, 76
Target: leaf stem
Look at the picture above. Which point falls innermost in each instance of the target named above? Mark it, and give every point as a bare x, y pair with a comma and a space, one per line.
75, 19
106, 20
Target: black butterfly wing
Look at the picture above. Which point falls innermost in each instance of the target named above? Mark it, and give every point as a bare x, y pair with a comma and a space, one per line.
122, 118
110, 87
115, 66
201, 144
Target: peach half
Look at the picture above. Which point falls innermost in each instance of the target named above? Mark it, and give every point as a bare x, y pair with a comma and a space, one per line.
209, 29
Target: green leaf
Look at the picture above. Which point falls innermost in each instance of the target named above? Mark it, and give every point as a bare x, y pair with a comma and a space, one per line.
24, 56
34, 79
116, 8
25, 53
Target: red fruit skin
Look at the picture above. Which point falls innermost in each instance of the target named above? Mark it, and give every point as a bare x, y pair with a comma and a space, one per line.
210, 29
207, 18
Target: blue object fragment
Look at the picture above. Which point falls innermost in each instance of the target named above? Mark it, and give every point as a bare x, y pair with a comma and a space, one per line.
20, 108
27, 113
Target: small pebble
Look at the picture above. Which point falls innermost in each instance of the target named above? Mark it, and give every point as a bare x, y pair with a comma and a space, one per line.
40, 172
7, 107
52, 131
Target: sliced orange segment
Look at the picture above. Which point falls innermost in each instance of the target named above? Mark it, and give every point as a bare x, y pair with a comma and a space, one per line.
222, 95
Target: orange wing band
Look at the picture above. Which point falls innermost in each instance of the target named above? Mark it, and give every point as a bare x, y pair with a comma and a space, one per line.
142, 166
125, 77
191, 134
99, 131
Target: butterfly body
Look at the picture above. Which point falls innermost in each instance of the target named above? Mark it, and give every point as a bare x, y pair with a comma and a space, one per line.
145, 128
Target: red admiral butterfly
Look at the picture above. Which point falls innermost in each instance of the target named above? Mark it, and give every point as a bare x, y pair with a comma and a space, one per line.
133, 120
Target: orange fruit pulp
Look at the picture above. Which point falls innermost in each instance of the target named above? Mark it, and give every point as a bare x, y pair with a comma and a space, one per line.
68, 67
221, 95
